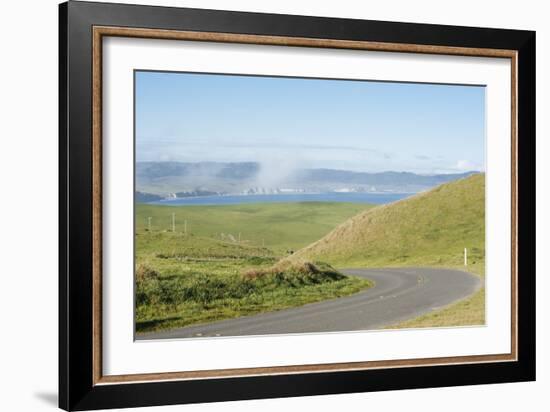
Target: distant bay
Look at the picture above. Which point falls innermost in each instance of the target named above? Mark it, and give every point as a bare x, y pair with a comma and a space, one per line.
351, 197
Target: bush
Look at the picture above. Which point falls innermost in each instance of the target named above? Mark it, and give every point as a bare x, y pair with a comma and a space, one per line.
145, 272
303, 272
204, 288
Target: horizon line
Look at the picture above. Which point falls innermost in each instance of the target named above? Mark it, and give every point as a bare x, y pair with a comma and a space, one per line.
456, 172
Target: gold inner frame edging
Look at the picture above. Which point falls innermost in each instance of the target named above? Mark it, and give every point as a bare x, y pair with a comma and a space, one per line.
100, 31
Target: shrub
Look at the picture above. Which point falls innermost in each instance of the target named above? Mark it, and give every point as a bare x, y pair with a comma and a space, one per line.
302, 272
204, 288
145, 272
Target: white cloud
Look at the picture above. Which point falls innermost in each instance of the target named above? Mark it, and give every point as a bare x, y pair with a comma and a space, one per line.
467, 165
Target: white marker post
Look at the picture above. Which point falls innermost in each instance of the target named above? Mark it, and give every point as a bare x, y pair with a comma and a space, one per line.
465, 257
149, 223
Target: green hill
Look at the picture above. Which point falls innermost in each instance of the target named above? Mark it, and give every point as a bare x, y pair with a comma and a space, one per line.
431, 228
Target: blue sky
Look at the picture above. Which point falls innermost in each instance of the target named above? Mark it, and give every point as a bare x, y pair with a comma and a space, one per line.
310, 123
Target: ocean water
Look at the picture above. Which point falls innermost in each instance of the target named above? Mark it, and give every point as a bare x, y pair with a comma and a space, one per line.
374, 198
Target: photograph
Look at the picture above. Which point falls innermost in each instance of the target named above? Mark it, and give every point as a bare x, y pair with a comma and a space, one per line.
263, 204
289, 205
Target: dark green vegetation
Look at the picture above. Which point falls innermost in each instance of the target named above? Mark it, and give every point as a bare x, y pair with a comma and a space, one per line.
429, 229
191, 277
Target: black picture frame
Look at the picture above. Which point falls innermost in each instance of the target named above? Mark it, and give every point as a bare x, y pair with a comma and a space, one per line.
77, 390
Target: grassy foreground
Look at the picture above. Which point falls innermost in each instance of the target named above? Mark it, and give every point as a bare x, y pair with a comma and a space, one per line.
467, 312
189, 278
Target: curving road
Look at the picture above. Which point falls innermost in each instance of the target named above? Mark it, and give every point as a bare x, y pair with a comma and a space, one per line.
398, 294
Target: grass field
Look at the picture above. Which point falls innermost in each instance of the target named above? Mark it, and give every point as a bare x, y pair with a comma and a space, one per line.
193, 276
276, 226
429, 229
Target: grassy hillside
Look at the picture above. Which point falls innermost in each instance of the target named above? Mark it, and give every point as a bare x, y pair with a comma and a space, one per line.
469, 311
196, 277
277, 226
431, 228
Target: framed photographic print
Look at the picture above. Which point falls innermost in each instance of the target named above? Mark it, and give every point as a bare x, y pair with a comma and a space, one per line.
256, 205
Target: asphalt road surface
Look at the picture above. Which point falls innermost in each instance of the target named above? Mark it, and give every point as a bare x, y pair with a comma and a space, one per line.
398, 294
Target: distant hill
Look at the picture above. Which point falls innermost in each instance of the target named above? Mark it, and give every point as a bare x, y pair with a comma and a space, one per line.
430, 228
162, 178
146, 197
380, 179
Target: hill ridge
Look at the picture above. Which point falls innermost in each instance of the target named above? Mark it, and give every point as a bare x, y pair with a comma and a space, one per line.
406, 232
161, 178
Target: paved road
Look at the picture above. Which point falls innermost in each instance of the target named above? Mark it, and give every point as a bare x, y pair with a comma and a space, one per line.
398, 294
